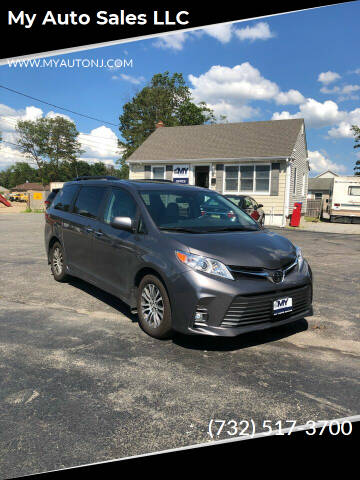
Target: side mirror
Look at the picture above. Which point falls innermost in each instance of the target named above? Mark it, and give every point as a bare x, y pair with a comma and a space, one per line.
260, 205
123, 223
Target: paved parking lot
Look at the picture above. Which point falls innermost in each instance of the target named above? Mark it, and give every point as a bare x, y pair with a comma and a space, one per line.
81, 383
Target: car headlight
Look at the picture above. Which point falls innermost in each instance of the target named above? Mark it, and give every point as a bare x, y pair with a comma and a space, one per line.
204, 264
299, 257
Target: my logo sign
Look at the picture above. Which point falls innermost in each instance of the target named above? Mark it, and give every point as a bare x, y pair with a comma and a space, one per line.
283, 302
180, 171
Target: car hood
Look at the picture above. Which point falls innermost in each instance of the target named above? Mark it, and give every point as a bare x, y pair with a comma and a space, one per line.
260, 249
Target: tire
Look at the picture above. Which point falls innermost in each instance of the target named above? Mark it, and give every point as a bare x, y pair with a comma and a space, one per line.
57, 262
154, 309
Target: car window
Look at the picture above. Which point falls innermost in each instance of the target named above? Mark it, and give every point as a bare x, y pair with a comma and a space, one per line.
237, 200
119, 204
64, 198
247, 202
89, 201
195, 210
253, 202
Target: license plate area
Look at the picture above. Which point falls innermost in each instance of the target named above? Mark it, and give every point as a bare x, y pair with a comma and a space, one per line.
282, 305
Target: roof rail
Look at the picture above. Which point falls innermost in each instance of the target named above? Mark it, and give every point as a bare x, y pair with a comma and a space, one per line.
95, 177
152, 180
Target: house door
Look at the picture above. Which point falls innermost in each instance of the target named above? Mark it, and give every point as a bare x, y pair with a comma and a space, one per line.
202, 176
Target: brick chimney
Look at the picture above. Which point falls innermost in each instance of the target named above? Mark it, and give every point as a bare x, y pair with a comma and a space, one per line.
159, 124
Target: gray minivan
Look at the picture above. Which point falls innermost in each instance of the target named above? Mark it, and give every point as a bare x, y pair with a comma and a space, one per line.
185, 258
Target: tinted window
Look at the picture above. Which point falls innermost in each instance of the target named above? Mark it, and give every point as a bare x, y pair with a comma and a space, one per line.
119, 204
88, 201
64, 198
194, 210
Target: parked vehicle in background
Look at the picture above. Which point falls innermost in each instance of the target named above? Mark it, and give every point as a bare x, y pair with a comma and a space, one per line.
149, 243
18, 197
51, 197
250, 206
343, 205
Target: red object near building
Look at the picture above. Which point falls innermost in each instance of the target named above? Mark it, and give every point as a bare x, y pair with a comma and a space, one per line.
296, 214
4, 201
255, 215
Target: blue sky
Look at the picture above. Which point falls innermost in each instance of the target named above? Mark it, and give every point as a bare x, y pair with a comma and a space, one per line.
303, 64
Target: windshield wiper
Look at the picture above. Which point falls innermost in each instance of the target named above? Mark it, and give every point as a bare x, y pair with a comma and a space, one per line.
232, 229
180, 229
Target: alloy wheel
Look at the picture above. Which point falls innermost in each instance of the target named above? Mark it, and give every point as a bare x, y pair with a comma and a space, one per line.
57, 261
152, 305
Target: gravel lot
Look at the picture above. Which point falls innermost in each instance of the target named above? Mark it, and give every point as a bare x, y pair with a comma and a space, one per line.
81, 383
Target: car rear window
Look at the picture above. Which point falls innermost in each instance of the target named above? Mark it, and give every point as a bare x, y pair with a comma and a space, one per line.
64, 198
89, 201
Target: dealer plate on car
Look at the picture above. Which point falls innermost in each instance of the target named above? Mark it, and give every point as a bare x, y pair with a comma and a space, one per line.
282, 305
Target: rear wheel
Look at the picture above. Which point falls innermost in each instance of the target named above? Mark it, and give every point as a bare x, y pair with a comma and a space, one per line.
154, 308
57, 263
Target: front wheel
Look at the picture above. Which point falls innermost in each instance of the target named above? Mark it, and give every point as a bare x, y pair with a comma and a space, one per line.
57, 263
154, 308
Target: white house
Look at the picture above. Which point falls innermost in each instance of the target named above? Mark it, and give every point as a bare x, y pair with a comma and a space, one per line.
265, 160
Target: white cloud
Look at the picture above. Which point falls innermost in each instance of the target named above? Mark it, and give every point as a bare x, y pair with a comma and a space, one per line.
316, 114
129, 78
222, 32
293, 97
343, 129
172, 41
228, 90
328, 77
346, 92
319, 163
9, 155
260, 31
241, 83
100, 142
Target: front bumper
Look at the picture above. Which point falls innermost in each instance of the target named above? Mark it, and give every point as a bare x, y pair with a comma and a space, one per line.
234, 307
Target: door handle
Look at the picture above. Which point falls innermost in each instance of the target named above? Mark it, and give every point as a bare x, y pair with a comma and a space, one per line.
99, 234
89, 230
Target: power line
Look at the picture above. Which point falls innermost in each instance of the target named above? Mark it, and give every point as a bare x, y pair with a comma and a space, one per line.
89, 136
57, 106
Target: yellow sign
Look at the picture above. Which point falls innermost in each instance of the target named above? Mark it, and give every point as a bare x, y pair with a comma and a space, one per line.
38, 196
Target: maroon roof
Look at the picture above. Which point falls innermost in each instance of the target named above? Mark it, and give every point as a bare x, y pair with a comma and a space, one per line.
25, 187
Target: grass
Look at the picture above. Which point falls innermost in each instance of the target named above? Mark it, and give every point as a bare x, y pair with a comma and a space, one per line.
311, 219
35, 210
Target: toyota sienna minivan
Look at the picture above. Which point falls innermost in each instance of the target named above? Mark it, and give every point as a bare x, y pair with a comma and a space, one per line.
184, 258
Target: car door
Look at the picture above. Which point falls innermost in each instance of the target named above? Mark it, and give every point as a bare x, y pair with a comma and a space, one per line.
78, 230
115, 251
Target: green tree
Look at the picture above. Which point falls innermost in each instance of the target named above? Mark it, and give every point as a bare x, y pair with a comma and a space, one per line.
356, 132
48, 141
17, 174
166, 98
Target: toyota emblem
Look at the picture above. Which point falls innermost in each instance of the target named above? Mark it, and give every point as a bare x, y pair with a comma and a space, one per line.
277, 276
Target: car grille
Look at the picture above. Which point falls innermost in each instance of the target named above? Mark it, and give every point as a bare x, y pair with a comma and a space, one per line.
252, 309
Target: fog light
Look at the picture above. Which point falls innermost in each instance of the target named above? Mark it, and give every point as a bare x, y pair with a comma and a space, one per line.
200, 317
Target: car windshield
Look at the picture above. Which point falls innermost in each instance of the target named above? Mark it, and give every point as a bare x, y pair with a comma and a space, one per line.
195, 211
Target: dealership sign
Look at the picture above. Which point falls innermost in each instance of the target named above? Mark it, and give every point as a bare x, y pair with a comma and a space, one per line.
181, 173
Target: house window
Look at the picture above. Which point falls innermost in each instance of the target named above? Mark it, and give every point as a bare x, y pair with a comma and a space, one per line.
262, 178
318, 195
158, 173
232, 178
247, 178
303, 185
294, 186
